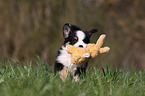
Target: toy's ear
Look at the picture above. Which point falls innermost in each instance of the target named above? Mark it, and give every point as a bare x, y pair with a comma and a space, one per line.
104, 50
66, 30
70, 49
92, 31
100, 41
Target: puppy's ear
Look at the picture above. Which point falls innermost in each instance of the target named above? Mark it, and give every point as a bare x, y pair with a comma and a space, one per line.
66, 30
92, 31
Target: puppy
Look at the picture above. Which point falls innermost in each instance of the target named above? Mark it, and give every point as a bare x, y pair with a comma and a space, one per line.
73, 35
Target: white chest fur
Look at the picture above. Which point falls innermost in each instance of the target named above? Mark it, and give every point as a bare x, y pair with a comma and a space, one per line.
65, 59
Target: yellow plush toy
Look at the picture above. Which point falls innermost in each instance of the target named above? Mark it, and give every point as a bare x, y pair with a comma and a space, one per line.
81, 55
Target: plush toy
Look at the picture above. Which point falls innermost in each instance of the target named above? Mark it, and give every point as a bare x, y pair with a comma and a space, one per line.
81, 55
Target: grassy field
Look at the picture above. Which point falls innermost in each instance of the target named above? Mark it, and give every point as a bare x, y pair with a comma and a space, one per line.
16, 80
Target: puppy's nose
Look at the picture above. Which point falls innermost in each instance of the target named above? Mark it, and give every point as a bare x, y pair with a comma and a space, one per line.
80, 45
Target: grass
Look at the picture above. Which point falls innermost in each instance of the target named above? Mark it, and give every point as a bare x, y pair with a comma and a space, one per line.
17, 80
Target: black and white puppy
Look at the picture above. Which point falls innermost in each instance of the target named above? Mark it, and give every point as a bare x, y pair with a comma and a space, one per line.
73, 35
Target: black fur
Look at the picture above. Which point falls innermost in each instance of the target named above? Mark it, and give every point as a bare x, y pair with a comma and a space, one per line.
57, 67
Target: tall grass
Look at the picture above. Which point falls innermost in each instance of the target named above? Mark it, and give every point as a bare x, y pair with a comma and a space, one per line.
39, 80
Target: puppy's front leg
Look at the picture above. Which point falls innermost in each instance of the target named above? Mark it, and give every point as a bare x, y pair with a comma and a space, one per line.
79, 72
63, 73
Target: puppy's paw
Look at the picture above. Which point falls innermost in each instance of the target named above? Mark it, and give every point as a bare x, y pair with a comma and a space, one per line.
76, 78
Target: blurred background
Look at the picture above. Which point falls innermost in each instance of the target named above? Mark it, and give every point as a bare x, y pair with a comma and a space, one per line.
30, 28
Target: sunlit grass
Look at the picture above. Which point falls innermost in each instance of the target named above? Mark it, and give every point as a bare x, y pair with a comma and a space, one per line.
39, 80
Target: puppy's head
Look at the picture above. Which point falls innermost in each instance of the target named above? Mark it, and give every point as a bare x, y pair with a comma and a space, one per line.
73, 35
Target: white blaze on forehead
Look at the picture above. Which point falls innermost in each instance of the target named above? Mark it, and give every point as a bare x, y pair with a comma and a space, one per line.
81, 36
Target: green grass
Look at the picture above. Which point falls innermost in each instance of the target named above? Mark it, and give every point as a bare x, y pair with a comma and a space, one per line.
16, 80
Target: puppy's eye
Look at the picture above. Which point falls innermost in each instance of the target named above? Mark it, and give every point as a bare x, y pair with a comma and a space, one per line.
76, 38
